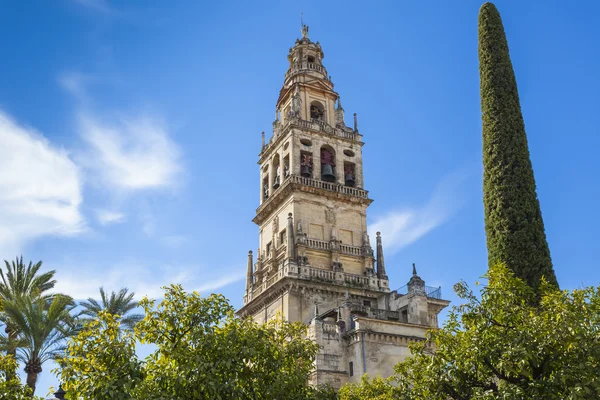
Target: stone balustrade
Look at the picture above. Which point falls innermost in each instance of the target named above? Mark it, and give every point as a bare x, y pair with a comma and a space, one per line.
291, 269
332, 186
305, 66
315, 125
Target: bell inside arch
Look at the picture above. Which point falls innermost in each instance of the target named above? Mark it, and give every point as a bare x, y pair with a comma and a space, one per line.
327, 173
349, 179
305, 171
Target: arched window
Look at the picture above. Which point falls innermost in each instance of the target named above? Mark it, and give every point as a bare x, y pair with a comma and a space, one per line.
276, 172
349, 174
328, 164
317, 111
306, 164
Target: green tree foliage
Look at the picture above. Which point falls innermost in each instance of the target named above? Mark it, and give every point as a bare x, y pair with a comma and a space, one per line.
121, 304
501, 346
202, 351
43, 324
18, 281
100, 362
513, 219
10, 386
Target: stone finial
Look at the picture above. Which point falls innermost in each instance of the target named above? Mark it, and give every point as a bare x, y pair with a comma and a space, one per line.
380, 260
316, 309
263, 140
249, 272
304, 31
355, 123
339, 113
416, 285
291, 250
60, 393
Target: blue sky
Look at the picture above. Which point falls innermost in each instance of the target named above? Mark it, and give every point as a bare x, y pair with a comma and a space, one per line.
129, 133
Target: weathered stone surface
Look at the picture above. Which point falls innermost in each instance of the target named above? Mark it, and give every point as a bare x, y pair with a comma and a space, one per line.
326, 278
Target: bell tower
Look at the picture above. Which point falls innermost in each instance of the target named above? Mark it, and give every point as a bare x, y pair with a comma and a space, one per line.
315, 262
313, 205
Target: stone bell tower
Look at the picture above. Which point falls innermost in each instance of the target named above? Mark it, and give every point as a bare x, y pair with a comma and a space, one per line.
315, 262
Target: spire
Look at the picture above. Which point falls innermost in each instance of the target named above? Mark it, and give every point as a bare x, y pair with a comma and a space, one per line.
414, 270
249, 273
263, 140
380, 260
291, 251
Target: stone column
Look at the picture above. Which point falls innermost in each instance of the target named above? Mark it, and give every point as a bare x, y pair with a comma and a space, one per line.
249, 273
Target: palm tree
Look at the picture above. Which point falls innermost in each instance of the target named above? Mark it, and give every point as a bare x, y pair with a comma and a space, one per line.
20, 281
43, 325
120, 304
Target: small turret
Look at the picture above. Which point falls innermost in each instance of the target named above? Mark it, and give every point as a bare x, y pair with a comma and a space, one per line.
416, 285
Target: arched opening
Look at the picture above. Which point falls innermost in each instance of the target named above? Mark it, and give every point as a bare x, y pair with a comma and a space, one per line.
328, 164
317, 112
306, 164
286, 166
349, 174
276, 172
265, 187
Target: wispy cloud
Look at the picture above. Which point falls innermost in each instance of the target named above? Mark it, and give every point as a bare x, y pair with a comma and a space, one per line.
406, 225
40, 188
81, 283
107, 217
131, 153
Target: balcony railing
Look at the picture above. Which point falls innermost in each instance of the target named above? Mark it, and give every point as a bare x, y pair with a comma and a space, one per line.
315, 125
325, 245
305, 66
430, 291
321, 275
333, 186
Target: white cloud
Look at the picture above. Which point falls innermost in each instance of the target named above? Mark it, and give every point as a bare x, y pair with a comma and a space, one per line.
81, 283
107, 217
131, 153
40, 188
402, 227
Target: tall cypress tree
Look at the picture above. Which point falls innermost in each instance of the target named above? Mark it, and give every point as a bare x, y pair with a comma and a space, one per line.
513, 220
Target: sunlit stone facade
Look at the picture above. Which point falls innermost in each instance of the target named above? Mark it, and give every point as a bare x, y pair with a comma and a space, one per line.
315, 260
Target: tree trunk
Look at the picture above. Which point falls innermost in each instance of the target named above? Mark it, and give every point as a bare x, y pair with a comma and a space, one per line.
32, 380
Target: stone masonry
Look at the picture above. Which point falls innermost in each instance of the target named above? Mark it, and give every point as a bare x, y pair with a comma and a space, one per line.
315, 261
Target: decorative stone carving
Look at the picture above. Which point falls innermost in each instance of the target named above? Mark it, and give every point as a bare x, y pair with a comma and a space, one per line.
366, 239
330, 215
276, 225
300, 227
